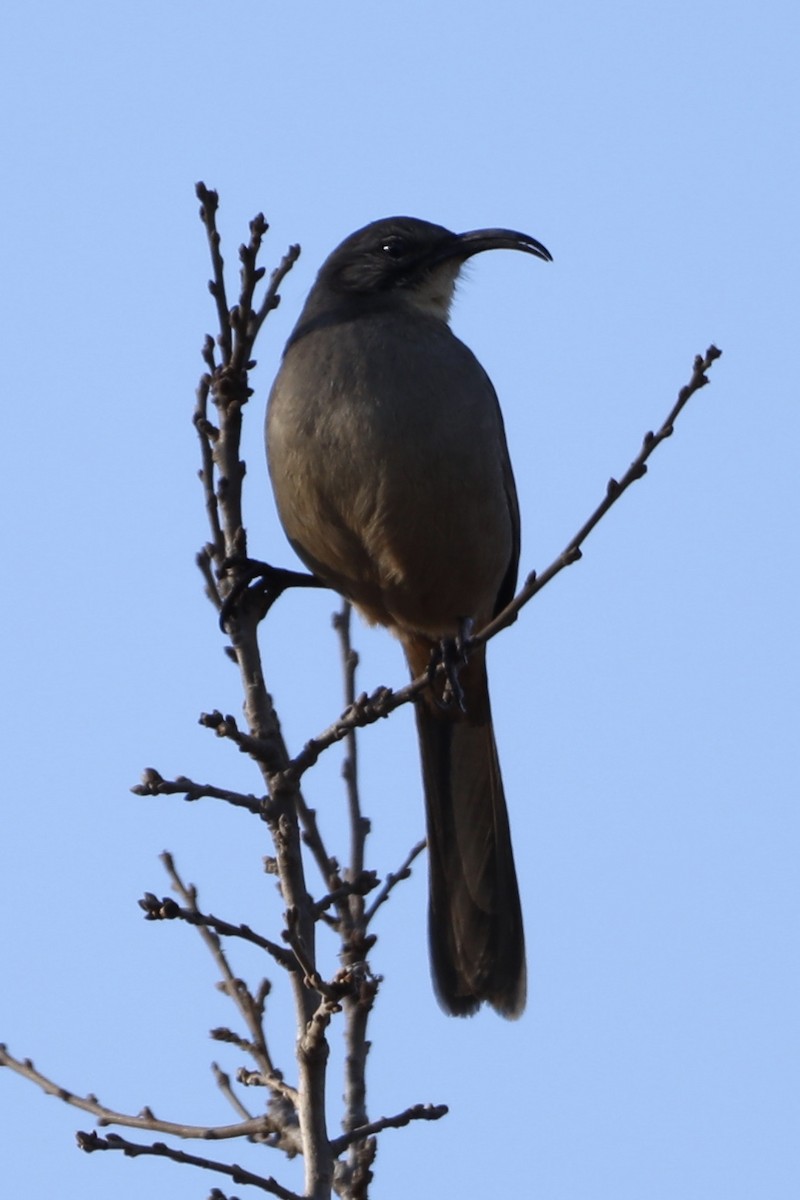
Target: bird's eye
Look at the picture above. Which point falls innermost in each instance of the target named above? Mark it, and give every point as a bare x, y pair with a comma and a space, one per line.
394, 247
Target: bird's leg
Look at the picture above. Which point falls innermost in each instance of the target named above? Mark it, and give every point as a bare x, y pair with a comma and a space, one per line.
261, 580
451, 654
466, 628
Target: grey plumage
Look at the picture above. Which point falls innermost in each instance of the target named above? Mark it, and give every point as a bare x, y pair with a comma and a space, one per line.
392, 478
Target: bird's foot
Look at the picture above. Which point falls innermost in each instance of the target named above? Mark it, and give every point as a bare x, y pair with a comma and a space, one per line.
259, 582
451, 654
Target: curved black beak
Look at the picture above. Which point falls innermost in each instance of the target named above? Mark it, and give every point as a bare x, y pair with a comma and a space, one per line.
464, 245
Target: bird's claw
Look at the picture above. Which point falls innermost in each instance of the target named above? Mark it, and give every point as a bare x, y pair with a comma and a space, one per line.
252, 576
451, 654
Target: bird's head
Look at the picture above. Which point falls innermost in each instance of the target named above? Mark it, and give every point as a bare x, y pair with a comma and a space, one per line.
414, 263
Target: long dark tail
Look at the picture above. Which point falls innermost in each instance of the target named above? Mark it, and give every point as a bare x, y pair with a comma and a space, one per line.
475, 918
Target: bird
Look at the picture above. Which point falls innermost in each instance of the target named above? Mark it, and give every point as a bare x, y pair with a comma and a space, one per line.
392, 479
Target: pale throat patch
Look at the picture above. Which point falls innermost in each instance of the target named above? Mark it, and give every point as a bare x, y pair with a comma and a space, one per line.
434, 295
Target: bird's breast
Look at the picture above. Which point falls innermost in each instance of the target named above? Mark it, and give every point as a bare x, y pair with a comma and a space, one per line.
390, 470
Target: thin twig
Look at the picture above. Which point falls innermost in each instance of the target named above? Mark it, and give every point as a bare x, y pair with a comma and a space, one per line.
614, 489
209, 203
153, 784
167, 910
359, 826
326, 864
366, 882
393, 879
252, 1127
417, 1112
271, 298
250, 1008
92, 1141
263, 749
358, 1003
224, 1084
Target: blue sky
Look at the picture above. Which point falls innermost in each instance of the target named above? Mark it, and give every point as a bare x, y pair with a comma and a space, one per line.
646, 704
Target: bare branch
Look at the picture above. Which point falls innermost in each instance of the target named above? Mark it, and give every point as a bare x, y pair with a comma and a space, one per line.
92, 1141
224, 1084
167, 910
271, 298
359, 825
263, 749
253, 1127
364, 711
326, 864
391, 881
638, 468
222, 471
251, 1008
366, 882
209, 203
153, 784
417, 1112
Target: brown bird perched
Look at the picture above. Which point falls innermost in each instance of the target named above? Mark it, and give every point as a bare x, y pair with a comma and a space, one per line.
392, 478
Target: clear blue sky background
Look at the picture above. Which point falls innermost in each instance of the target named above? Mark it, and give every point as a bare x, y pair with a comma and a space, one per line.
646, 704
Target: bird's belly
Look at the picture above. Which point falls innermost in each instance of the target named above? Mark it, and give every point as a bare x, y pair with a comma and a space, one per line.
415, 548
